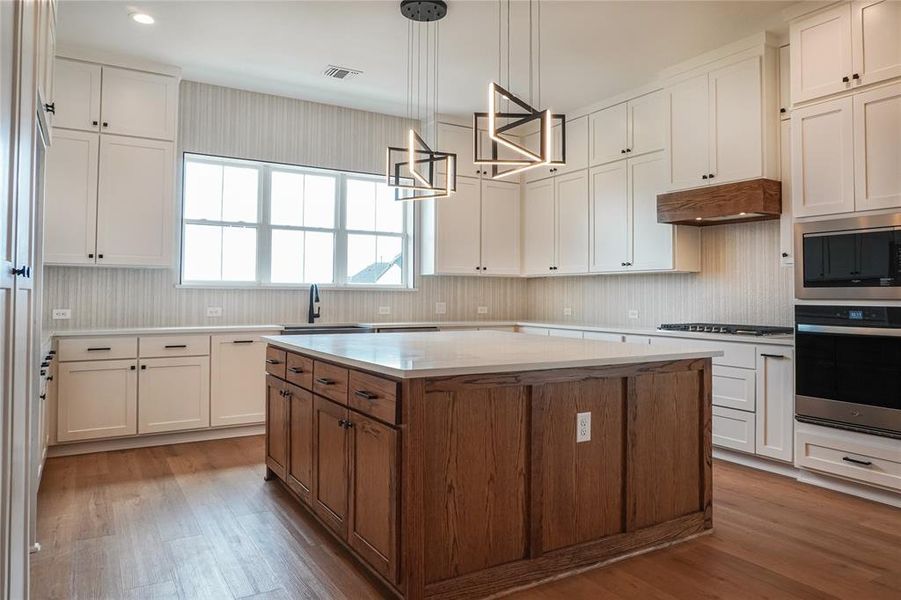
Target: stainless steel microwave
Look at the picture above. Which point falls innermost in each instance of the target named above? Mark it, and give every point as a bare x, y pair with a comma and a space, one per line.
849, 259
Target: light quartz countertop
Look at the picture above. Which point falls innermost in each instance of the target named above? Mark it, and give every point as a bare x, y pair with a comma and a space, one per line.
414, 355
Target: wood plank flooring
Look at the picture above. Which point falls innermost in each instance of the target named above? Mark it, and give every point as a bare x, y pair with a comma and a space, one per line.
197, 521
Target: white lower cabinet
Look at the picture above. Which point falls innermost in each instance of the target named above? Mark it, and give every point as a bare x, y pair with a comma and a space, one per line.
174, 394
734, 387
237, 383
856, 456
603, 336
97, 399
733, 429
775, 402
567, 333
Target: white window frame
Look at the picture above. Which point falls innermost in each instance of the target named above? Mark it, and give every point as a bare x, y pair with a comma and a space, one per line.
264, 229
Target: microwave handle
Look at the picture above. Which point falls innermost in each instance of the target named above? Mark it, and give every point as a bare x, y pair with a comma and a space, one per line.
874, 331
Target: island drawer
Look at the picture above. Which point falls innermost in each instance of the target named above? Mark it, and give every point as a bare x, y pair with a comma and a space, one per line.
275, 362
330, 381
373, 396
300, 370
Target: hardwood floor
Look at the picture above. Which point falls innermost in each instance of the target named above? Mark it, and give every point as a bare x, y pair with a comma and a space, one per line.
197, 521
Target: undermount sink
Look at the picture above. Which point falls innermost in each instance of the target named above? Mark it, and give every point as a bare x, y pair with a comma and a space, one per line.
315, 329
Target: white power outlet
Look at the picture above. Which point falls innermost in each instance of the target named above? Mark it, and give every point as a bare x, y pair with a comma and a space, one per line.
384, 310
633, 314
62, 313
583, 427
441, 308
567, 311
214, 311
482, 310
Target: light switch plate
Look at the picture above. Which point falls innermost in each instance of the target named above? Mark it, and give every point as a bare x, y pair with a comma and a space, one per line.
62, 313
567, 311
214, 311
441, 308
384, 310
583, 427
482, 310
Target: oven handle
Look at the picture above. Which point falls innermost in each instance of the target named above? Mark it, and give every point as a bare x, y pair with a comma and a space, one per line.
874, 331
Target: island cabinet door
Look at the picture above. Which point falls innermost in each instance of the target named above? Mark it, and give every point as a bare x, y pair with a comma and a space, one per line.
276, 426
300, 433
372, 518
330, 468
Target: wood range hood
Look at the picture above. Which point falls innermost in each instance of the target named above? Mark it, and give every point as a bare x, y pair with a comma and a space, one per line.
754, 200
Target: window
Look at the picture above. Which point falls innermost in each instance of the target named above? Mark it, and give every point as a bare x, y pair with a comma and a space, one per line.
248, 223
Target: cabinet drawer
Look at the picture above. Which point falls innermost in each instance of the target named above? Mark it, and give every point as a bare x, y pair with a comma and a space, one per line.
330, 381
868, 459
373, 396
275, 362
733, 429
161, 346
734, 387
99, 348
300, 371
743, 356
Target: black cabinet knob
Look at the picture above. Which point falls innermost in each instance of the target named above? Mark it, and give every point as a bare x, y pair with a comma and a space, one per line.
94, 123
91, 255
785, 255
782, 110
845, 79
623, 151
710, 176
99, 256
628, 150
50, 107
132, 367
703, 177
105, 124
855, 76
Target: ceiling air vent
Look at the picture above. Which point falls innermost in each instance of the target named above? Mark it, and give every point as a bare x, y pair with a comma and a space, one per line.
340, 72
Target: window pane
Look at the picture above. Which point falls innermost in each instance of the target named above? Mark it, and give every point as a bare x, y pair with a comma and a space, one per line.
319, 201
374, 259
389, 213
203, 191
239, 194
360, 205
239, 254
287, 199
287, 256
203, 253
319, 257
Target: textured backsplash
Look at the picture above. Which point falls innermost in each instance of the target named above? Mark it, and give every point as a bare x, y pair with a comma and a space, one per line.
741, 281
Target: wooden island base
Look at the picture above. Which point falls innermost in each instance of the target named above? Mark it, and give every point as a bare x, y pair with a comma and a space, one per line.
467, 486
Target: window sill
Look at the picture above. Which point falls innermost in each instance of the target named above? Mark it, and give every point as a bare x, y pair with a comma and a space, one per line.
295, 288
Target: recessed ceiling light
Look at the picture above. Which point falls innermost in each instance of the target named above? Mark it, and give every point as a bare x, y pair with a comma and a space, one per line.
142, 18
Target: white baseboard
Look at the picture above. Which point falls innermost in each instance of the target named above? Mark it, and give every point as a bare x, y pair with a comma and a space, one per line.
160, 439
809, 477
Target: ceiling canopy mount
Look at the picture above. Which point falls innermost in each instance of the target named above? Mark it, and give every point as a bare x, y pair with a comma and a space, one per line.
423, 10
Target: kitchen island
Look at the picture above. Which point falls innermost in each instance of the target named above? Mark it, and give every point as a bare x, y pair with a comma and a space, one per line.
462, 464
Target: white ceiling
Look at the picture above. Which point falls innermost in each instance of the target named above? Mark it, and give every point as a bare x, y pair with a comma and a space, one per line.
590, 49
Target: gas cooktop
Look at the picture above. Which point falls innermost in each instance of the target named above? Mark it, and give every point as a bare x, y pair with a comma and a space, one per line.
729, 329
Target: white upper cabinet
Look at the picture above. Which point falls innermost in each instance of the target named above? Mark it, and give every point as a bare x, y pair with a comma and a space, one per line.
500, 228
786, 224
576, 150
77, 95
458, 140
609, 135
845, 47
822, 159
70, 193
627, 129
687, 136
135, 202
652, 242
877, 148
538, 228
876, 40
734, 109
571, 192
456, 226
611, 244
138, 104
821, 54
785, 93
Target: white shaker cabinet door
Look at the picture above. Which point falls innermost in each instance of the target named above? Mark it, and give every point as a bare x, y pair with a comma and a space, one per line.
608, 131
736, 125
647, 124
538, 251
458, 139
877, 148
70, 198
96, 399
821, 54
611, 225
175, 394
652, 242
785, 91
457, 232
823, 159
687, 136
572, 223
135, 202
775, 402
786, 225
876, 39
139, 104
237, 384
76, 89
500, 228
576, 146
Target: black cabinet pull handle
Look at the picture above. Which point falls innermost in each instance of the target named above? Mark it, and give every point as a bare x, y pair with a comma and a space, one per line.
765, 355
864, 463
98, 349
50, 107
45, 364
295, 370
242, 341
345, 423
20, 271
49, 377
272, 361
51, 352
324, 381
43, 396
43, 372
366, 395
176, 346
